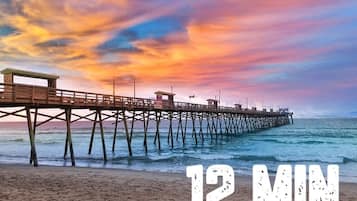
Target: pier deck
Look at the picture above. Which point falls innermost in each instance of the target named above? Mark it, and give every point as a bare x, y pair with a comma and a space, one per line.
206, 121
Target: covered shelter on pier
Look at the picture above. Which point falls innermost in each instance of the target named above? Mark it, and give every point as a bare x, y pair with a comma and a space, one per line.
212, 103
9, 74
11, 88
164, 99
238, 106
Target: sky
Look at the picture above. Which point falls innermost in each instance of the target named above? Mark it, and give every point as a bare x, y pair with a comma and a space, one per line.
299, 54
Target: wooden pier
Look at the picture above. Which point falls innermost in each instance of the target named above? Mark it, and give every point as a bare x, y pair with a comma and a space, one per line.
208, 122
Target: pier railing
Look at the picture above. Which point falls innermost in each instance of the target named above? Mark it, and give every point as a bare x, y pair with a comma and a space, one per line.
20, 93
38, 95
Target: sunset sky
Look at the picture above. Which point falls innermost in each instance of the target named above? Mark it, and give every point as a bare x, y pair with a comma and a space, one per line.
296, 53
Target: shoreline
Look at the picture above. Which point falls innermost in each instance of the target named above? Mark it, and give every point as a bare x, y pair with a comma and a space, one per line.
24, 182
238, 172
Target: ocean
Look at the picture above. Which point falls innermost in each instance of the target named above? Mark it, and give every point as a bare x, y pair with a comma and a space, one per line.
307, 141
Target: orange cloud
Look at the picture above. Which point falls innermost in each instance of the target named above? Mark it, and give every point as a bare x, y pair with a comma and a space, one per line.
224, 44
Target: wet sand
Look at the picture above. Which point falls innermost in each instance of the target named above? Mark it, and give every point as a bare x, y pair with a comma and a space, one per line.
23, 182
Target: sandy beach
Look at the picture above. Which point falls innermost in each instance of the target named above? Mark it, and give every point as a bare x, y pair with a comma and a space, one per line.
21, 182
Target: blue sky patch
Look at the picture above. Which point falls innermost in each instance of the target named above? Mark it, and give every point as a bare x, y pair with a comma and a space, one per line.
6, 30
152, 29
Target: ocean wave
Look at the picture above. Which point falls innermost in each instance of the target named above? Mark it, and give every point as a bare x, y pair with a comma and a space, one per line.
319, 134
49, 141
293, 142
9, 141
257, 158
175, 159
17, 140
346, 160
12, 156
312, 142
342, 160
245, 158
269, 140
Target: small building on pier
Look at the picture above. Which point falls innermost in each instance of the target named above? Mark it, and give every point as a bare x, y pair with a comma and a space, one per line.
164, 100
212, 103
9, 74
284, 110
27, 90
238, 106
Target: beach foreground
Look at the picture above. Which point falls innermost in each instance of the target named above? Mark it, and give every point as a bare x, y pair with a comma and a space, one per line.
22, 182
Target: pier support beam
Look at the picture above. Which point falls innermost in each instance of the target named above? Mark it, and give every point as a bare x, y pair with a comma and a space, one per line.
225, 118
69, 143
115, 130
132, 125
98, 119
127, 133
185, 129
170, 138
200, 120
34, 127
146, 125
179, 126
194, 127
209, 130
214, 128
102, 134
92, 134
157, 135
31, 129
